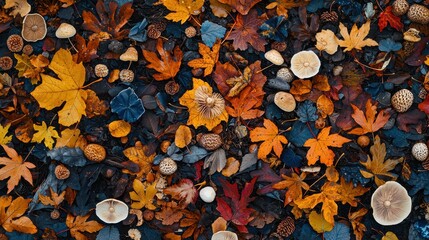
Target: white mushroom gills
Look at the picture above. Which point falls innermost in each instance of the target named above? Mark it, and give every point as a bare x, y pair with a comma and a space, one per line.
111, 211
305, 64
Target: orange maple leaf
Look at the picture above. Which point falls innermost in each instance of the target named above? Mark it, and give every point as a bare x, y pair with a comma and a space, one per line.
87, 51
349, 192
319, 147
168, 65
208, 60
368, 122
244, 106
242, 6
272, 140
12, 219
14, 168
79, 224
294, 185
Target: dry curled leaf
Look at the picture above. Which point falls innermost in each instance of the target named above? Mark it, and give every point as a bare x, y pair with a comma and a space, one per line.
355, 219
242, 6
137, 154
183, 136
184, 191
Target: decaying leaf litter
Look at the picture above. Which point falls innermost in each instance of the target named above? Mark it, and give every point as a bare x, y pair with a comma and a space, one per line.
217, 119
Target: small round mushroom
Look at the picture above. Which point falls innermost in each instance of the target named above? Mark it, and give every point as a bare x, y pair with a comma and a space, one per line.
167, 166
190, 32
274, 57
208, 194
402, 100
101, 70
134, 234
285, 101
420, 151
33, 27
400, 7
66, 30
111, 211
305, 64
390, 203
412, 35
126, 75
224, 235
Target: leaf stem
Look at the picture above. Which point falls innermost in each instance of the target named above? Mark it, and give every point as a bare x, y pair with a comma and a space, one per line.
89, 84
195, 20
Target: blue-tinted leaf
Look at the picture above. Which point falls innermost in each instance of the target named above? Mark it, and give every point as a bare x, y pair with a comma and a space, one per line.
273, 112
306, 233
300, 133
149, 233
419, 181
194, 154
422, 228
108, 233
274, 28
18, 236
210, 32
400, 138
307, 112
388, 45
70, 156
127, 105
315, 5
369, 10
290, 159
340, 231
352, 174
138, 32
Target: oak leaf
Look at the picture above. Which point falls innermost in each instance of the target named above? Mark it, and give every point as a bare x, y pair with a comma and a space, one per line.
78, 224
68, 89
184, 191
376, 167
271, 138
246, 31
183, 136
143, 195
54, 199
167, 65
319, 147
356, 38
294, 185
182, 9
4, 139
12, 219
242, 6
368, 122
355, 219
209, 58
386, 17
45, 134
137, 154
14, 168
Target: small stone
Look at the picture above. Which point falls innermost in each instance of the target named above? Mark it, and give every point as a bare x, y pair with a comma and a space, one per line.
55, 214
285, 74
420, 151
116, 47
101, 70
285, 101
400, 7
126, 75
337, 70
274, 57
208, 194
418, 14
278, 84
210, 141
95, 152
167, 166
402, 100
148, 215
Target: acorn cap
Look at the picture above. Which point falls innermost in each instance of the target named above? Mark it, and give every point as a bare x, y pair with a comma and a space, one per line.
129, 55
390, 203
207, 194
285, 101
224, 235
274, 57
65, 30
167, 166
33, 27
111, 210
305, 64
420, 151
402, 100
412, 35
418, 14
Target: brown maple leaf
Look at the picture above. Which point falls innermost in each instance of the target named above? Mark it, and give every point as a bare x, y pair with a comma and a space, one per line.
168, 65
54, 199
294, 185
246, 31
271, 138
86, 51
244, 106
169, 215
368, 122
14, 168
349, 192
356, 221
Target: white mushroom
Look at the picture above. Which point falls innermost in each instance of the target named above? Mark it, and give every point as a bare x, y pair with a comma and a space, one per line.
305, 64
224, 235
111, 210
207, 194
390, 203
66, 30
274, 57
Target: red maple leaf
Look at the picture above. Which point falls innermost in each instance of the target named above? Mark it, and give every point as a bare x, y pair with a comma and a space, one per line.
388, 17
424, 106
233, 207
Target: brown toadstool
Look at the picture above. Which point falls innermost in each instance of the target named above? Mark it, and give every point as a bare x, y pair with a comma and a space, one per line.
111, 210
224, 235
33, 27
390, 203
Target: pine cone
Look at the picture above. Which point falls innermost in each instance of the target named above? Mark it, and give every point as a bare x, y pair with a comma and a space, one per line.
329, 17
286, 227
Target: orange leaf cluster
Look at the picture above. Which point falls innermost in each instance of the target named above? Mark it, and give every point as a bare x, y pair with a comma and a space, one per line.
12, 219
368, 121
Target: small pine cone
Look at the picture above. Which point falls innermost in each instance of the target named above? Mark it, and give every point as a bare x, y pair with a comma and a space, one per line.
27, 49
172, 87
329, 17
286, 227
279, 46
190, 32
15, 43
153, 32
6, 63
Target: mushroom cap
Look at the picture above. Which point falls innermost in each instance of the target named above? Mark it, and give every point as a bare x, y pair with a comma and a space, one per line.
305, 64
274, 57
167, 166
65, 30
207, 194
402, 100
420, 151
285, 101
390, 203
224, 235
129, 55
111, 210
412, 35
33, 27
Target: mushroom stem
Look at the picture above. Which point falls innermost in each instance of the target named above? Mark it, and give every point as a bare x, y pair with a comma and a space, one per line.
265, 68
72, 45
129, 65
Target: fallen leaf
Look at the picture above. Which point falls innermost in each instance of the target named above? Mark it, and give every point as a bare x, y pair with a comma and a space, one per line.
12, 219
283, 5
269, 134
182, 9
390, 236
231, 167
25, 131
119, 128
294, 185
368, 122
184, 191
20, 7
137, 154
319, 147
424, 106
386, 17
143, 195
168, 65
349, 192
318, 223
208, 60
301, 87
95, 106
3, 132
14, 168
86, 51
54, 199
69, 138
242, 6
192, 222
183, 136
78, 224
325, 106
377, 168
356, 38
45, 134
244, 106
355, 219
68, 89
219, 225
169, 215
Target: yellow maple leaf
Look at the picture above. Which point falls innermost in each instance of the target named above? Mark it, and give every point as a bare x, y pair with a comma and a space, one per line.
356, 38
143, 195
79, 224
67, 89
3, 132
12, 219
31, 67
14, 168
182, 9
137, 155
44, 133
377, 168
69, 138
54, 199
209, 58
271, 138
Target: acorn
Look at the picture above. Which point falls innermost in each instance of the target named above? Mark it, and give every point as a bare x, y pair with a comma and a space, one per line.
420, 151
400, 7
418, 14
167, 166
402, 100
210, 141
95, 152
